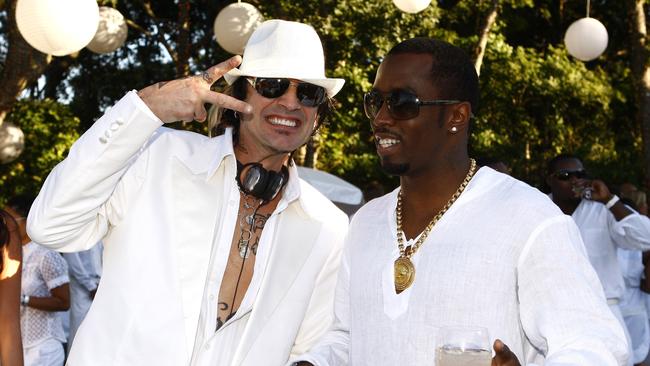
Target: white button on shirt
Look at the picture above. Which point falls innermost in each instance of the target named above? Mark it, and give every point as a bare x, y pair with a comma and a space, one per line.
218, 348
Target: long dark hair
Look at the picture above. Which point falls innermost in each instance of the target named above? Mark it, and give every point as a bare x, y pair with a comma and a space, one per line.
7, 226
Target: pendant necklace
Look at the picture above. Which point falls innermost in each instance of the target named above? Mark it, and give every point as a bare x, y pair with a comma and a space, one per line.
403, 267
247, 224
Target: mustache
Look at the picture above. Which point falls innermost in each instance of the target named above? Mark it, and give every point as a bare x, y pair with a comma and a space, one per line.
281, 111
385, 131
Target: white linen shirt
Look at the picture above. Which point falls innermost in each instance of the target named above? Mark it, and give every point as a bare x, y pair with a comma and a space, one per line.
503, 257
602, 234
43, 270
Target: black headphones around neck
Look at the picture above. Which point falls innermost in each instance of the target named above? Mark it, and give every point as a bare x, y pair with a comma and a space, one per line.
259, 182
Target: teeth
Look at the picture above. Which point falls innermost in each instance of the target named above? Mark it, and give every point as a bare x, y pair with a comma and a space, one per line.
387, 142
282, 122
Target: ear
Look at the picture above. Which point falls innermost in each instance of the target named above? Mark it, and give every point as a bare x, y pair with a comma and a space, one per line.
460, 116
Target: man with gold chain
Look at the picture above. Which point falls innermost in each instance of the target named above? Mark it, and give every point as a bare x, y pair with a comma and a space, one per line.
215, 252
454, 246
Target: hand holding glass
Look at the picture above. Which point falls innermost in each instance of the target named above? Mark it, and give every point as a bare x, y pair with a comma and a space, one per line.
463, 346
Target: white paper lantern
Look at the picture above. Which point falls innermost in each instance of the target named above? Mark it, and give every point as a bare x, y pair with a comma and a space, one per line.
111, 31
12, 142
586, 39
234, 25
412, 6
57, 27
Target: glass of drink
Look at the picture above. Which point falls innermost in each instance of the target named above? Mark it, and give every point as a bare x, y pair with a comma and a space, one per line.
582, 188
463, 346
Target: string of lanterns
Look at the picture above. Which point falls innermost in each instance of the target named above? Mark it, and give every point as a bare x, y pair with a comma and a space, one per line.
64, 27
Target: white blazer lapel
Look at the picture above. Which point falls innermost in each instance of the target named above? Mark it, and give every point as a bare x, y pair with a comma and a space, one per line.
197, 205
294, 240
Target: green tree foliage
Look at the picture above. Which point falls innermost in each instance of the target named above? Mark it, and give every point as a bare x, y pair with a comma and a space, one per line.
50, 128
536, 100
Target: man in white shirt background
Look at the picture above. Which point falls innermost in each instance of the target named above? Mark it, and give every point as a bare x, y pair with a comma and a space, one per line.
85, 270
605, 223
215, 251
452, 246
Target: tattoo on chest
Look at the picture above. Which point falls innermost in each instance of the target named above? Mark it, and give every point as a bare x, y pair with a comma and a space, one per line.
222, 306
251, 227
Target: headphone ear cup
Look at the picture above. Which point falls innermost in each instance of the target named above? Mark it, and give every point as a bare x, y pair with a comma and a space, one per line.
275, 182
255, 180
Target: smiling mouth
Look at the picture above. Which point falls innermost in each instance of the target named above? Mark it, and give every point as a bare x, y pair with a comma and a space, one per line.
282, 122
386, 142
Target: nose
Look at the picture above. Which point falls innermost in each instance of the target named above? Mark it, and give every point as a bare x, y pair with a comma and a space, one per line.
382, 118
289, 99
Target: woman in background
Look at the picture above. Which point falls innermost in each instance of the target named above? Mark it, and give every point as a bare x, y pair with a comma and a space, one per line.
11, 352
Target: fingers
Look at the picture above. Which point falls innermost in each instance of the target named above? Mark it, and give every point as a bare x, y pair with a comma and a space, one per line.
503, 355
499, 346
226, 101
200, 114
217, 71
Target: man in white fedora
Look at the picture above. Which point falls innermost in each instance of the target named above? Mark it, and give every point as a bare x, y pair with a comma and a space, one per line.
216, 253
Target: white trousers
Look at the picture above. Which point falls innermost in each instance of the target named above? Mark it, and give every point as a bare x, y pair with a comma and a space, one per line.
617, 313
47, 353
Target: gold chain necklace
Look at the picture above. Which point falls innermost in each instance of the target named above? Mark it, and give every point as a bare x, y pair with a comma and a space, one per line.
404, 268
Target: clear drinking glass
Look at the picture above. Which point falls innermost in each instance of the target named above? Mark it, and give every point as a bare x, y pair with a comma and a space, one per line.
582, 189
463, 346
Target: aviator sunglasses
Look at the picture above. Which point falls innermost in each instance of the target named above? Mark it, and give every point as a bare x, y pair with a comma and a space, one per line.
309, 95
401, 104
567, 174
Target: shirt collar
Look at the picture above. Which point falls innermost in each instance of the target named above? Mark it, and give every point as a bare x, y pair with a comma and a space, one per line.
207, 159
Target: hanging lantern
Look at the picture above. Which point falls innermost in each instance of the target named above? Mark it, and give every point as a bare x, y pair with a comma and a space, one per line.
58, 27
412, 6
12, 142
234, 25
586, 39
111, 31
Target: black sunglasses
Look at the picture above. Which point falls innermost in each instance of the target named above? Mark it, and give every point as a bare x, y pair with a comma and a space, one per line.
401, 104
308, 94
567, 174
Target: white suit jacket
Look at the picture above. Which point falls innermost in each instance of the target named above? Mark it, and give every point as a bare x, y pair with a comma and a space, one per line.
155, 197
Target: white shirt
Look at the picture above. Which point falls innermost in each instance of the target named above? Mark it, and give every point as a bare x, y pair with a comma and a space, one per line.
218, 347
503, 257
84, 268
156, 197
602, 234
43, 270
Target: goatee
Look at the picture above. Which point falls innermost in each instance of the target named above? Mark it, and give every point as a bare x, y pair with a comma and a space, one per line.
395, 169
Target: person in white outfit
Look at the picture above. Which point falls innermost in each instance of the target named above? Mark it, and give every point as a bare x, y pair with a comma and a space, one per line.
633, 303
85, 270
454, 246
215, 251
605, 224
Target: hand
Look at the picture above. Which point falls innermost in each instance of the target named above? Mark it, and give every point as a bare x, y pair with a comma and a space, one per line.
503, 356
184, 99
599, 191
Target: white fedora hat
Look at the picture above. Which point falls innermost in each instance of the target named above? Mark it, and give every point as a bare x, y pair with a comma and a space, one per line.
282, 49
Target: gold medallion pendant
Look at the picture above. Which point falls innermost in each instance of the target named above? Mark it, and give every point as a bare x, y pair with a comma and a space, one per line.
404, 274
